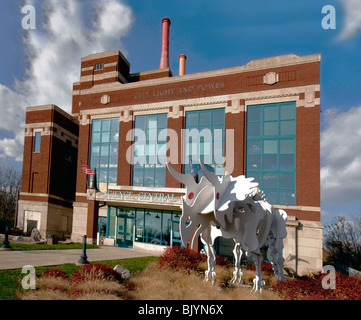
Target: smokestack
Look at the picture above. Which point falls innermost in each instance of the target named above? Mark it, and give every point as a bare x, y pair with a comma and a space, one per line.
164, 60
182, 64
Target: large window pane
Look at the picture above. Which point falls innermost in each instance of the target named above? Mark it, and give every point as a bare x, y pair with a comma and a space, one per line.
254, 114
138, 176
287, 162
270, 128
205, 131
287, 146
270, 180
104, 151
152, 227
286, 180
166, 228
287, 111
254, 129
96, 137
96, 125
271, 195
288, 128
205, 118
270, 146
271, 150
270, 113
37, 142
254, 146
105, 125
151, 152
287, 197
218, 116
270, 162
254, 162
111, 222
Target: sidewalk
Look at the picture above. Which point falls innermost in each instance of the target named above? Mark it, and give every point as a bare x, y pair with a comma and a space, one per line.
36, 258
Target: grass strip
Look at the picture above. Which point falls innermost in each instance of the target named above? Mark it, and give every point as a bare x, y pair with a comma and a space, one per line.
10, 280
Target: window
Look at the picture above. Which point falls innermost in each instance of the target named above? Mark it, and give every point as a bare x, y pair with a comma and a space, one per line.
271, 150
152, 226
102, 226
104, 151
150, 146
204, 139
37, 141
99, 66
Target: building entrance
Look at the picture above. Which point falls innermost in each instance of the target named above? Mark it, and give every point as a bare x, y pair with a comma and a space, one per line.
125, 229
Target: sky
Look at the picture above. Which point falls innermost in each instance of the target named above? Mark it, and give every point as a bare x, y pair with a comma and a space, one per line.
39, 65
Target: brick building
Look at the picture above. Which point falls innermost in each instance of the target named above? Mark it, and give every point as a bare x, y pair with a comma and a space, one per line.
263, 118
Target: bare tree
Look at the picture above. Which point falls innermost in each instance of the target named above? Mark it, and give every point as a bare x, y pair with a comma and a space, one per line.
10, 183
342, 242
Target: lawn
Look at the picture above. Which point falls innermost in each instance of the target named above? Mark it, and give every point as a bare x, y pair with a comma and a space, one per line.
10, 280
177, 275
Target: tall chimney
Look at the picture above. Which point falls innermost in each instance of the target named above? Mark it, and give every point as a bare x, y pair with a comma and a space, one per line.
182, 64
164, 60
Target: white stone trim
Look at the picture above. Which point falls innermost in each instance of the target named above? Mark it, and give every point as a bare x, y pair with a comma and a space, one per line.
51, 107
43, 127
220, 101
104, 54
303, 208
43, 195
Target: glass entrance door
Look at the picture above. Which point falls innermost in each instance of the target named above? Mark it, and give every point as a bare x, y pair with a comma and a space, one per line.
124, 237
176, 234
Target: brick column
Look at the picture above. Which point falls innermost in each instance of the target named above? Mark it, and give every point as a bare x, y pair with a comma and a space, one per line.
92, 221
124, 176
174, 145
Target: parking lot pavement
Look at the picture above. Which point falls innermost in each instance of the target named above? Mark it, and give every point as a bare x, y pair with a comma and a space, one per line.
36, 258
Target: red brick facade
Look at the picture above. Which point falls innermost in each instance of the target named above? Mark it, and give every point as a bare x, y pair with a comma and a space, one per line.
155, 87
107, 89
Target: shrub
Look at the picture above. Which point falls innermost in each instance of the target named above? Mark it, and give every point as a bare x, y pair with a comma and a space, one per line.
95, 272
223, 262
55, 273
180, 258
310, 288
184, 258
265, 266
76, 292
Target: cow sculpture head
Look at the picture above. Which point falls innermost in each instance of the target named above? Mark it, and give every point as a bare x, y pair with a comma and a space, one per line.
196, 204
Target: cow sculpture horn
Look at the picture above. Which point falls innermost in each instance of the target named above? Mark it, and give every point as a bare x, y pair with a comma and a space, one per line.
212, 177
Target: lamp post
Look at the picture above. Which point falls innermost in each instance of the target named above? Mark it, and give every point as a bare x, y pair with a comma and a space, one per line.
83, 258
6, 243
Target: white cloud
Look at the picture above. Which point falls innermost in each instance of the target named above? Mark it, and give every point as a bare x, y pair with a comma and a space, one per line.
66, 31
352, 19
341, 157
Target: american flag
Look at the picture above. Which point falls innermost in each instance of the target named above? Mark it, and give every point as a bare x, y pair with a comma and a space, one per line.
87, 170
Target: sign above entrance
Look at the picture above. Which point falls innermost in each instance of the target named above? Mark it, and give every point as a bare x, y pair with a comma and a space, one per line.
167, 197
141, 196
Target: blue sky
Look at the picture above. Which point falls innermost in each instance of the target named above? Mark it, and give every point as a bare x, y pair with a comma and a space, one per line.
39, 66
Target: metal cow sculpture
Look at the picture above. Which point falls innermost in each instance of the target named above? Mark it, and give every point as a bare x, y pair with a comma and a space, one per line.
232, 208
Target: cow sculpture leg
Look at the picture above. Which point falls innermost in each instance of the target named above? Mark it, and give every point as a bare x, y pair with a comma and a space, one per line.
211, 260
211, 256
275, 250
237, 274
258, 282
